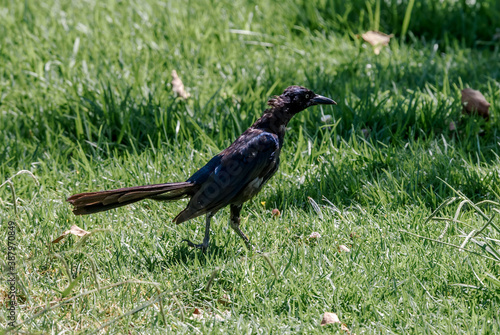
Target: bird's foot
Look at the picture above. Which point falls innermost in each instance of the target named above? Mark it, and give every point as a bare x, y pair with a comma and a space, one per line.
201, 246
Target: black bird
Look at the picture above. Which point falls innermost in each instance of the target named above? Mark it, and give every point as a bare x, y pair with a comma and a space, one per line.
230, 178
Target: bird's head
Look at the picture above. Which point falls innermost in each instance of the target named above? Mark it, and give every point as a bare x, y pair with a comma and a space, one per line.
298, 98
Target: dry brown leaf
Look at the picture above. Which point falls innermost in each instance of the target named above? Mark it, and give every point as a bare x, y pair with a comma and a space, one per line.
329, 318
197, 314
178, 86
344, 328
377, 39
75, 230
475, 102
344, 248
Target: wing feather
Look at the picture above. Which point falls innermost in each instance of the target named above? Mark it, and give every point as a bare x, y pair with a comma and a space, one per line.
248, 158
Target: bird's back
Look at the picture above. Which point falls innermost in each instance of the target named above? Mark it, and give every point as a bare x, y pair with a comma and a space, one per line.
235, 175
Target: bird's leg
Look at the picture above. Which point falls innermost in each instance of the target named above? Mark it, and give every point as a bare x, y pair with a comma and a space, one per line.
204, 245
234, 222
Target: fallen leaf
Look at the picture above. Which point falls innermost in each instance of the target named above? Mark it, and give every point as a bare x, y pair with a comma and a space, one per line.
276, 213
197, 314
329, 318
314, 235
475, 102
75, 230
344, 328
178, 86
377, 39
344, 248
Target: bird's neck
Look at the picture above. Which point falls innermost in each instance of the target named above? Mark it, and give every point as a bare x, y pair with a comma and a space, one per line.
274, 121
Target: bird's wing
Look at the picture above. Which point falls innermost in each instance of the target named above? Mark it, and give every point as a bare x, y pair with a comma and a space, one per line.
201, 176
250, 157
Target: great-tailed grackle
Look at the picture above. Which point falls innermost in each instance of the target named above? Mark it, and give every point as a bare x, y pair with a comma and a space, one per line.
230, 178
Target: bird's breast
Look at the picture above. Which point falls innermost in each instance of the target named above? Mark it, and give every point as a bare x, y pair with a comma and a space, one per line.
250, 190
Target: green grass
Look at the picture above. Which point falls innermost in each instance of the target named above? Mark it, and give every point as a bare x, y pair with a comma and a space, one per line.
86, 104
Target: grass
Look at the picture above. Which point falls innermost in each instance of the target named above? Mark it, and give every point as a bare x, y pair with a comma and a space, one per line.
86, 104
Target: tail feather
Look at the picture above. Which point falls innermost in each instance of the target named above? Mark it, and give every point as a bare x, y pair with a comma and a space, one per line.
93, 202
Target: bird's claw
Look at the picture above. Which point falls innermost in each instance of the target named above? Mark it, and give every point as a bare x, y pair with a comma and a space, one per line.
201, 246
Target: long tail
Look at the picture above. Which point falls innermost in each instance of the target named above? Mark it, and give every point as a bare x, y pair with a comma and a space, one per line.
93, 202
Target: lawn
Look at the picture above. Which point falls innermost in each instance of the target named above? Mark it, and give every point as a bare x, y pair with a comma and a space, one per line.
392, 179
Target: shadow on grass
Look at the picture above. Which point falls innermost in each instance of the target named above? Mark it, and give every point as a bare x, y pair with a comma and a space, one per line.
179, 253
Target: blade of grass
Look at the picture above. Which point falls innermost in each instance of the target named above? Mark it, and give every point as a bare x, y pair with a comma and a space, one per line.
406, 20
448, 244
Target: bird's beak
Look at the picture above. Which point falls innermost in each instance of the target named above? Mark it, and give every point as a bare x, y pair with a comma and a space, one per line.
321, 100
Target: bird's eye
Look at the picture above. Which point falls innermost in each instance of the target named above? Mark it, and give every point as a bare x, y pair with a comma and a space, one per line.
307, 96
